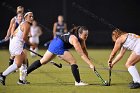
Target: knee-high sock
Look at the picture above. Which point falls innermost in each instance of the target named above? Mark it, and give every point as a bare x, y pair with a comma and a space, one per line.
134, 73
33, 66
10, 69
22, 72
75, 72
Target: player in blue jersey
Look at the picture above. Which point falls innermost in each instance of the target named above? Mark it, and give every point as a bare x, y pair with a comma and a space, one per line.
60, 46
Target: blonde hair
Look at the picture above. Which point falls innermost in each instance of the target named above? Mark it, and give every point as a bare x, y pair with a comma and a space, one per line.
20, 9
117, 33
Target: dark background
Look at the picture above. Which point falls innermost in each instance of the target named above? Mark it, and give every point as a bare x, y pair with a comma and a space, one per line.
124, 14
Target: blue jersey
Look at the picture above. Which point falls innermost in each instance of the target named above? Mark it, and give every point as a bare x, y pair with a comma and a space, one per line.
60, 29
60, 44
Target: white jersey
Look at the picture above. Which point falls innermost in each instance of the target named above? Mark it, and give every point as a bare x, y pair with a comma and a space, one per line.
34, 31
16, 20
132, 43
17, 42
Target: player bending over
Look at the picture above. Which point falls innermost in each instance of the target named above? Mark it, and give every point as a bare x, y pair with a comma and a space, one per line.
126, 41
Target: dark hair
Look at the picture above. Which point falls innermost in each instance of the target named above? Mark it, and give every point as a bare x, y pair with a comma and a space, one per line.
78, 29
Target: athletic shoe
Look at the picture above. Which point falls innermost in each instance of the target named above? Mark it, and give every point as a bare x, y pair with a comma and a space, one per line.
134, 85
2, 79
21, 82
130, 83
81, 83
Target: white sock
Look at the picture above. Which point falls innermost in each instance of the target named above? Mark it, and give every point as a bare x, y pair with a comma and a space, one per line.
22, 72
10, 69
134, 73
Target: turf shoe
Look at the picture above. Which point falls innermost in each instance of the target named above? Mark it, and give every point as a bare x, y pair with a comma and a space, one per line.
134, 85
81, 83
130, 83
2, 79
23, 82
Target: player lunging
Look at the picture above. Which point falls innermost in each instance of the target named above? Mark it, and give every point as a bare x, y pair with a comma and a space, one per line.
60, 45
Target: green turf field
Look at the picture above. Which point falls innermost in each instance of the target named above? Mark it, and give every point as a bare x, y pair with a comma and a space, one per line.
49, 79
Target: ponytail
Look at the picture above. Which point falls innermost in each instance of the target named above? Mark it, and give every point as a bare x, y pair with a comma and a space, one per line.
77, 29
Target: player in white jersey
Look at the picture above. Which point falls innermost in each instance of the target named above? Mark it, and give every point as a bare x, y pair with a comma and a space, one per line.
23, 68
19, 37
34, 37
14, 20
19, 19
126, 41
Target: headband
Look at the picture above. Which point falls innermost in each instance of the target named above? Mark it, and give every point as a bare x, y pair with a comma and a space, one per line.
27, 13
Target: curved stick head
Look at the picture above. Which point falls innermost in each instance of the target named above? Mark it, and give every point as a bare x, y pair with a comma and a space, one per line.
60, 65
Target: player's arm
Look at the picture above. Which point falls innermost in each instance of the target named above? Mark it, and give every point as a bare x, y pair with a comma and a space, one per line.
13, 29
117, 46
9, 29
65, 28
54, 29
84, 47
119, 56
74, 41
26, 30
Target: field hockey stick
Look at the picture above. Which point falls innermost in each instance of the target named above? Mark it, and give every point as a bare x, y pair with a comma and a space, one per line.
109, 81
92, 15
52, 62
3, 40
99, 76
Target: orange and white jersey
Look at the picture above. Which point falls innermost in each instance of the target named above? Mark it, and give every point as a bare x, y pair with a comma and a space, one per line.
132, 43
